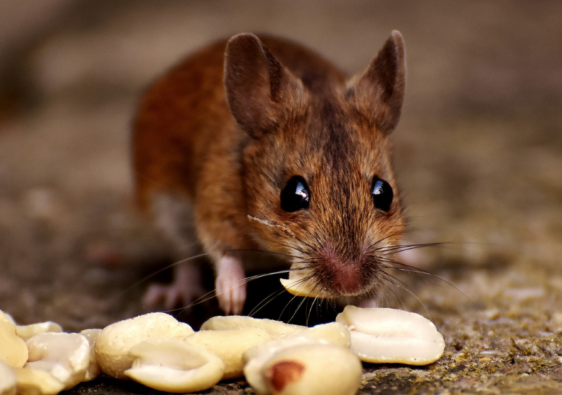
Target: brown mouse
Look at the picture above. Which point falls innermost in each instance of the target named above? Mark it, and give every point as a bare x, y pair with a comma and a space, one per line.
261, 144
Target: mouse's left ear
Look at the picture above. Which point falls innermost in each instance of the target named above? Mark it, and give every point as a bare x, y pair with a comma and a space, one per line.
259, 89
378, 93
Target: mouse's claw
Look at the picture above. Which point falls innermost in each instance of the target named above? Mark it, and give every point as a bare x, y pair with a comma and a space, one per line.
230, 285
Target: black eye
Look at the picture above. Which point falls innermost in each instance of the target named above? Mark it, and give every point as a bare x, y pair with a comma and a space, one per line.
382, 194
295, 196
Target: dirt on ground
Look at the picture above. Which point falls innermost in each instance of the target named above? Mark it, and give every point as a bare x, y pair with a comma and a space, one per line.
478, 154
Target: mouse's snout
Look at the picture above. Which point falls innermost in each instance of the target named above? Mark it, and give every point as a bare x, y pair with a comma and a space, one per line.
341, 275
346, 279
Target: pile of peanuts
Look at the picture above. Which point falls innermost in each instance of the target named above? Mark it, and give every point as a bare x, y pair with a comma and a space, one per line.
164, 354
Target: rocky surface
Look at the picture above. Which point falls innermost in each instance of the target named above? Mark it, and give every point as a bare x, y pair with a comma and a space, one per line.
478, 153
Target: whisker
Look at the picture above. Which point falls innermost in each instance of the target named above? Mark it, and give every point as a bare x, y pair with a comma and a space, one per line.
394, 249
265, 302
410, 269
144, 279
310, 310
259, 251
258, 276
390, 236
284, 230
397, 296
296, 310
287, 305
400, 284
204, 298
396, 265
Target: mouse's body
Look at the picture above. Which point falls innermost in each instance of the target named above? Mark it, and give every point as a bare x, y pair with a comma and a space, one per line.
261, 144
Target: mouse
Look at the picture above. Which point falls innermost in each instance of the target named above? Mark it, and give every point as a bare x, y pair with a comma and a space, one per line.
258, 143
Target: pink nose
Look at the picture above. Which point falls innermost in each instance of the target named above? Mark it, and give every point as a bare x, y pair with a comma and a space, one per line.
346, 279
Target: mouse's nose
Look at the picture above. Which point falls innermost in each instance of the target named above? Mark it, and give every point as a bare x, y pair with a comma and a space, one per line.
347, 279
341, 275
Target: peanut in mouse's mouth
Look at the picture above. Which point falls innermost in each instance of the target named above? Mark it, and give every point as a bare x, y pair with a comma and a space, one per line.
306, 282
302, 282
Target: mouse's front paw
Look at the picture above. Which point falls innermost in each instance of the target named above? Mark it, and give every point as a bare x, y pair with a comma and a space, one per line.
230, 286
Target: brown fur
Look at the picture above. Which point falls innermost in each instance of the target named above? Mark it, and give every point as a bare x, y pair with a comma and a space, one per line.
229, 149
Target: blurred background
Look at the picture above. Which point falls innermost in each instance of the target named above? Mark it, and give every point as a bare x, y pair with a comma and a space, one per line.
478, 151
478, 154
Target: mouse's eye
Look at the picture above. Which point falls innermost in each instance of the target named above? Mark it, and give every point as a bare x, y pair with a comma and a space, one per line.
295, 196
382, 194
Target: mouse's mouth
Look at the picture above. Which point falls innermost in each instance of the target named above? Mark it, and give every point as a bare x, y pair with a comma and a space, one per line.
306, 281
319, 280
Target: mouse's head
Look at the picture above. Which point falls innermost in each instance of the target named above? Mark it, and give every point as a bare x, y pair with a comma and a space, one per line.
318, 178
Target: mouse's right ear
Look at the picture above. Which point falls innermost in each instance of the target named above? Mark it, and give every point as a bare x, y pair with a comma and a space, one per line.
379, 92
259, 90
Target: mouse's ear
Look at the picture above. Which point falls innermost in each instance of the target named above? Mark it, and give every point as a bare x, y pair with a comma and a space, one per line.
379, 92
258, 88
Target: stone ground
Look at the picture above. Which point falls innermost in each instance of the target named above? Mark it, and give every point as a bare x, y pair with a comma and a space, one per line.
478, 153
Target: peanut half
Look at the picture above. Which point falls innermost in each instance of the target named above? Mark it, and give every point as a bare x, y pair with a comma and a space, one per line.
302, 283
115, 341
313, 369
256, 357
173, 365
65, 356
229, 345
382, 335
